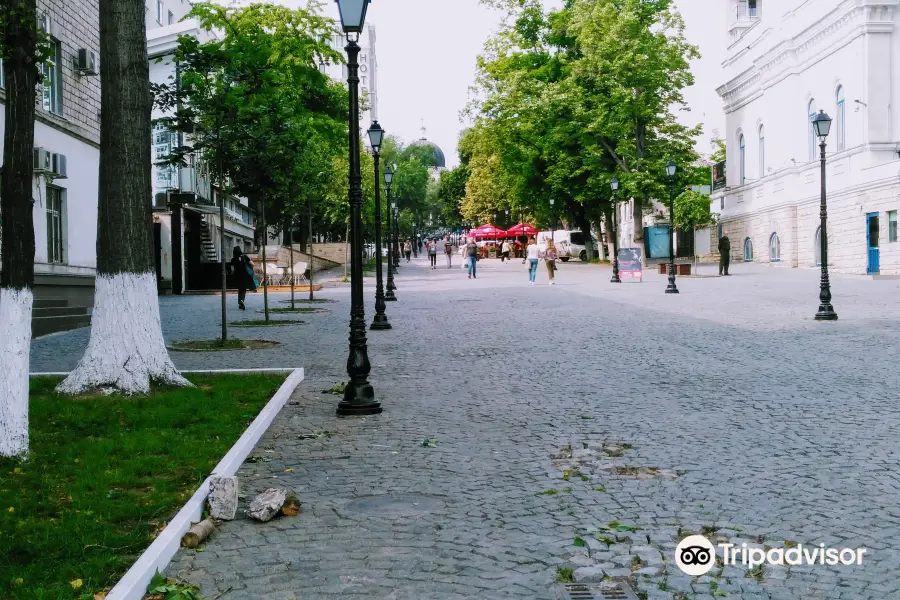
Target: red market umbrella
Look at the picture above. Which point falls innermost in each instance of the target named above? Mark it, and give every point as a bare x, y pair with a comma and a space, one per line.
487, 231
522, 229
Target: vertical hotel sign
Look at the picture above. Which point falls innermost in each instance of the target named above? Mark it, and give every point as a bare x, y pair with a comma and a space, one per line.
365, 77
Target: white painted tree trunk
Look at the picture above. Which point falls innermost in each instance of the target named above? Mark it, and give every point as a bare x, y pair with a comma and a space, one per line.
126, 351
15, 345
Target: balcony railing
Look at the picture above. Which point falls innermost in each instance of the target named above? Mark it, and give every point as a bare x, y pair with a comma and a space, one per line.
747, 12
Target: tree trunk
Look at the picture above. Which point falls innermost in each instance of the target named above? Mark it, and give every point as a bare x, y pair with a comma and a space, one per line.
126, 350
17, 224
640, 199
584, 223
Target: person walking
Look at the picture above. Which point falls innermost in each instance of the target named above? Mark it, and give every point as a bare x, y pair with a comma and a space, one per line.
724, 254
504, 251
407, 249
532, 255
550, 256
448, 251
472, 258
242, 270
432, 254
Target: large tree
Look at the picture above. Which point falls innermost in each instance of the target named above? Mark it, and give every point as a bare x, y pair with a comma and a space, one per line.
126, 350
20, 67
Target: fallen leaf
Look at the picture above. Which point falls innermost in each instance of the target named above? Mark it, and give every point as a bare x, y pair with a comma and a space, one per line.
18, 581
10, 509
100, 596
76, 583
288, 470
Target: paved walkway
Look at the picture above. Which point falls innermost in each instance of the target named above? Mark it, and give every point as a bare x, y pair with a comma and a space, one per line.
517, 418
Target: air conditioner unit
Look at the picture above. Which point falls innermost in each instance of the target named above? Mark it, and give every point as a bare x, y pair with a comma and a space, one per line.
86, 62
58, 165
43, 164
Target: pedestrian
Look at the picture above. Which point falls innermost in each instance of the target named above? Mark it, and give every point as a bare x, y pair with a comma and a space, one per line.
724, 254
504, 251
448, 251
407, 249
432, 254
532, 255
242, 270
472, 258
550, 256
415, 247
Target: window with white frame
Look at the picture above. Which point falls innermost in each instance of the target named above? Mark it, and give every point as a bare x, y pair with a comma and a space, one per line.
811, 111
56, 242
742, 157
841, 119
2, 76
762, 151
159, 12
774, 248
51, 96
171, 18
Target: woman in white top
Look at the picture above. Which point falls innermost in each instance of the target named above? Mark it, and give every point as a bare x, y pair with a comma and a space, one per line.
533, 255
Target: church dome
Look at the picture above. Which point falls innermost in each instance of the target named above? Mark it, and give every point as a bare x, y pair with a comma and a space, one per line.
438, 155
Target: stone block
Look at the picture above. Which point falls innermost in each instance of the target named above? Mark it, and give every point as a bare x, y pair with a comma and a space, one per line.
223, 497
267, 505
593, 574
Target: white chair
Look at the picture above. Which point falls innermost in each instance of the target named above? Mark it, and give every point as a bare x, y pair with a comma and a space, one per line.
300, 274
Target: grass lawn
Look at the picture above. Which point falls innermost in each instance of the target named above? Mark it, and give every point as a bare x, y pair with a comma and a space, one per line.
104, 476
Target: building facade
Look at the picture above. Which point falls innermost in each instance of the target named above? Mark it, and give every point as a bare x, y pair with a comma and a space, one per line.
785, 62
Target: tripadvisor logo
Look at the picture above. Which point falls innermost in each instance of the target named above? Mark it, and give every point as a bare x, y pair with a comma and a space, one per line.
695, 555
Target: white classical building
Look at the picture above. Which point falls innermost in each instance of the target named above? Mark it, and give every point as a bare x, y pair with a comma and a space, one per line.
787, 60
368, 74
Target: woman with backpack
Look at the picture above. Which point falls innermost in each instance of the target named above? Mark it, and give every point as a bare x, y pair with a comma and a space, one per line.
432, 254
242, 269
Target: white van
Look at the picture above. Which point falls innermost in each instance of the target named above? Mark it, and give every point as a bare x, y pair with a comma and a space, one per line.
569, 244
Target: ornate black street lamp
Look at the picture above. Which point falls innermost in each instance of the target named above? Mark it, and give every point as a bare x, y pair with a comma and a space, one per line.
671, 169
359, 396
822, 126
388, 179
552, 218
380, 322
396, 236
614, 184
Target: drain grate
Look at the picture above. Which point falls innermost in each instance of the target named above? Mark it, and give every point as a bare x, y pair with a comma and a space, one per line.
604, 591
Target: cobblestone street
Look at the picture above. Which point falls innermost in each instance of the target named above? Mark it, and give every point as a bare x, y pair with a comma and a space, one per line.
533, 433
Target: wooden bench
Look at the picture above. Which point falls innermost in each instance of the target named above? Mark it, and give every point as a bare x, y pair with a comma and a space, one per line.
680, 268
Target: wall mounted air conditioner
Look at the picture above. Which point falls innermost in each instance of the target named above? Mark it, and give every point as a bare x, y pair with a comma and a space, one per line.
58, 165
86, 62
43, 163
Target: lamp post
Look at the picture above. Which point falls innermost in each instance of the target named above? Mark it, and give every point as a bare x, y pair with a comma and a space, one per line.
388, 178
507, 218
822, 125
671, 169
380, 322
552, 218
614, 185
396, 248
359, 396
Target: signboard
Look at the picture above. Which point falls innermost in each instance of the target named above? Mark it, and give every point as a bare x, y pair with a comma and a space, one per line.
718, 178
630, 265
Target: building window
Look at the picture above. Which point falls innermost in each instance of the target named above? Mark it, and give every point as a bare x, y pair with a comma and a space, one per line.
159, 12
892, 225
774, 248
748, 250
171, 18
819, 246
742, 157
2, 76
51, 98
811, 110
841, 119
762, 151
56, 242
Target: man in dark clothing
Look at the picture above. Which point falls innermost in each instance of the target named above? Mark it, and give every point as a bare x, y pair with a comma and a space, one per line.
241, 267
724, 254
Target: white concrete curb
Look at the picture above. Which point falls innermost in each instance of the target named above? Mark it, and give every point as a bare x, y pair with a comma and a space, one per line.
212, 372
133, 585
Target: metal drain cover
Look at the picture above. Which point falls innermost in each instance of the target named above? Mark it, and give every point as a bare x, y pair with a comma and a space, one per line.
390, 505
598, 591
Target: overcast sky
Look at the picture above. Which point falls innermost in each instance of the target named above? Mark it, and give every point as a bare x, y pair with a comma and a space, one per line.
426, 53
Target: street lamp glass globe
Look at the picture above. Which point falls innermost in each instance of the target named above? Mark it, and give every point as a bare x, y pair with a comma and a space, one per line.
671, 168
614, 183
376, 136
353, 14
388, 175
552, 201
822, 124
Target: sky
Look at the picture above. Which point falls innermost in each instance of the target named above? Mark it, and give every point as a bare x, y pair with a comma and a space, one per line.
427, 52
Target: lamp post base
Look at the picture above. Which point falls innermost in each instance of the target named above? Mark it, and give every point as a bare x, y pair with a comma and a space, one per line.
389, 296
380, 323
826, 313
672, 289
359, 400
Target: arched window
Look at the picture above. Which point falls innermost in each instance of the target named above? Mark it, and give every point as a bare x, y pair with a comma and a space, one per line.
774, 248
742, 168
748, 250
819, 246
811, 111
762, 151
840, 119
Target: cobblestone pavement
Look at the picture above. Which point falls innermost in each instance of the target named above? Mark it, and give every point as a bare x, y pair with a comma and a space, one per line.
537, 432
